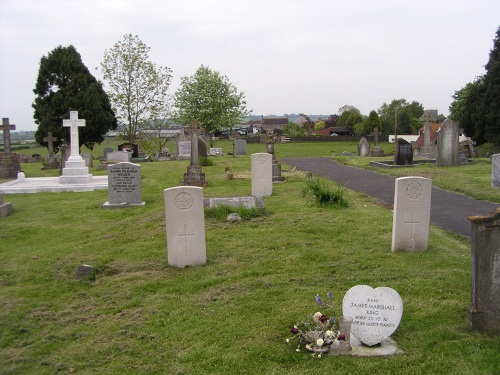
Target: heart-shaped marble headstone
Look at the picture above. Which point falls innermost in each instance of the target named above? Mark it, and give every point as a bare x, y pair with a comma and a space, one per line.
376, 313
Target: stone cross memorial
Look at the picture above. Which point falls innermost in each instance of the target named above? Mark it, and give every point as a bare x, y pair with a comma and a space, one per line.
6, 128
51, 161
124, 186
10, 163
495, 171
376, 313
262, 174
484, 311
75, 171
185, 225
412, 207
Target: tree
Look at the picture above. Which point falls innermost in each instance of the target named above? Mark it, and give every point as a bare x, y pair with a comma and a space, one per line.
349, 117
210, 99
477, 105
371, 122
137, 88
64, 83
320, 125
293, 130
406, 115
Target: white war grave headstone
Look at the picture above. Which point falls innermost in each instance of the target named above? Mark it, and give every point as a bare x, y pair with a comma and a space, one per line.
124, 186
185, 225
495, 170
376, 313
75, 171
412, 207
262, 174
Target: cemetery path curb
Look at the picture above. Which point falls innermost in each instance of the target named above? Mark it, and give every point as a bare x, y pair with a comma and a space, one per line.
449, 211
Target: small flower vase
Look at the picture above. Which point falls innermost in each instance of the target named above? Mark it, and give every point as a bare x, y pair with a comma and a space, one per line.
342, 343
345, 333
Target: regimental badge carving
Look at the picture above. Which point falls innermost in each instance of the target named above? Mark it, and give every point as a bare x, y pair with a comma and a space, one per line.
261, 160
183, 201
414, 190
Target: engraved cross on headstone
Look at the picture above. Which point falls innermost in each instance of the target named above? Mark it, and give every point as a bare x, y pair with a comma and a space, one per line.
412, 222
74, 123
6, 127
185, 235
50, 142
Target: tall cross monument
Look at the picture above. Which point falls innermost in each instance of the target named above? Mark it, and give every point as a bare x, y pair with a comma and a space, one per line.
10, 163
6, 127
75, 171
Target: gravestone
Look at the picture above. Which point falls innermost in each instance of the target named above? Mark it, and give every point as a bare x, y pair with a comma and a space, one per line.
118, 156
427, 150
5, 207
376, 313
484, 313
262, 174
495, 170
404, 154
240, 147
202, 148
412, 207
75, 171
194, 176
247, 202
10, 162
215, 151
124, 186
106, 151
130, 147
89, 159
185, 226
51, 161
376, 150
183, 146
447, 144
363, 147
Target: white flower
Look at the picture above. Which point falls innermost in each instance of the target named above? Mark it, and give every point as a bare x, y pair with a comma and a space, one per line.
287, 340
319, 342
316, 317
329, 333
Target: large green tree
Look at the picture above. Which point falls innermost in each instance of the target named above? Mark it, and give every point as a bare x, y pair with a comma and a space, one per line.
138, 89
64, 83
476, 106
209, 98
350, 116
406, 115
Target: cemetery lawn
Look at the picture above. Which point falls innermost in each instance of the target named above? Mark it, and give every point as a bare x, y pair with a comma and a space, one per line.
233, 314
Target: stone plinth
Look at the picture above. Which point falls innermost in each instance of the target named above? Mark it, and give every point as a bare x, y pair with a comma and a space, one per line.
9, 165
75, 172
194, 177
484, 311
51, 163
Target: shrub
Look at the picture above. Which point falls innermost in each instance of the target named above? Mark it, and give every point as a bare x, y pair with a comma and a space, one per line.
325, 196
205, 162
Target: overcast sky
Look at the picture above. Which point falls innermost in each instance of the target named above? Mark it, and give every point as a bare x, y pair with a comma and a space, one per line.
287, 56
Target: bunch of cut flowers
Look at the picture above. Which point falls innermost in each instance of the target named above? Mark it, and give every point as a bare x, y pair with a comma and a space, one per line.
319, 330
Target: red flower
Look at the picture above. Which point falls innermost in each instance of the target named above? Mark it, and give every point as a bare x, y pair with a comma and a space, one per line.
341, 337
323, 318
294, 330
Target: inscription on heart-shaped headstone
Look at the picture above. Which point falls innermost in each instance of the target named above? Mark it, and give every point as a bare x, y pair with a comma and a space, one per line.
376, 313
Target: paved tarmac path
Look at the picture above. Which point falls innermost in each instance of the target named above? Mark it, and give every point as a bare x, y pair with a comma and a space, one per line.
448, 210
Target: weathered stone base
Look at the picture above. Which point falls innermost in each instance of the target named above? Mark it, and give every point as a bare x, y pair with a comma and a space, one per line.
194, 177
75, 172
277, 177
9, 165
51, 163
376, 151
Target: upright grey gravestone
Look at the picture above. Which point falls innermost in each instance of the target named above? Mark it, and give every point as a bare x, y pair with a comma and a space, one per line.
185, 226
240, 147
495, 170
448, 147
412, 207
124, 186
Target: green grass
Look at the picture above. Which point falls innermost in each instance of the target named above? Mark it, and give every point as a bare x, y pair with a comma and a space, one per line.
232, 315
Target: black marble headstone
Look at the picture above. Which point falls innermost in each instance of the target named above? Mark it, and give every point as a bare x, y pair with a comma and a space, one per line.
405, 152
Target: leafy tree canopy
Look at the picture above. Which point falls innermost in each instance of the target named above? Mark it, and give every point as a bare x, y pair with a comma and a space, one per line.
406, 115
209, 98
349, 116
477, 105
137, 88
65, 84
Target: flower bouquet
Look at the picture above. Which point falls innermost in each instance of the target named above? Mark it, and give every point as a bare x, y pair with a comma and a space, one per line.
320, 332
